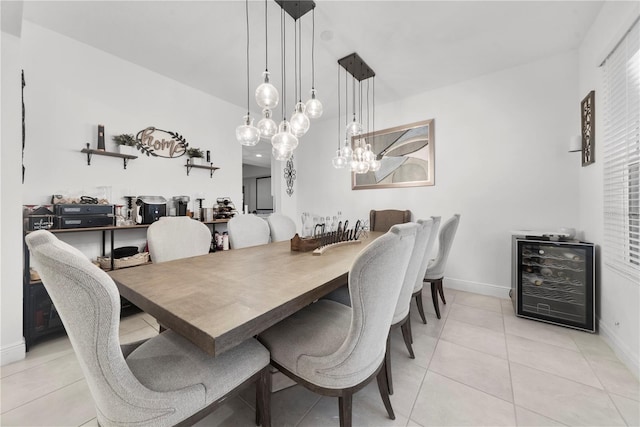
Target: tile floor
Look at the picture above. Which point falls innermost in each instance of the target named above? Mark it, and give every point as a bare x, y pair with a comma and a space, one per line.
478, 365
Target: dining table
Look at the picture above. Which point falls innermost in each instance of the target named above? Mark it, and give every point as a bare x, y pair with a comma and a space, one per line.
220, 299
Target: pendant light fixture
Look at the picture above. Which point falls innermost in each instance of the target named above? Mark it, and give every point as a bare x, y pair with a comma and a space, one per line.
356, 151
283, 142
247, 134
299, 121
266, 95
314, 106
339, 161
284, 137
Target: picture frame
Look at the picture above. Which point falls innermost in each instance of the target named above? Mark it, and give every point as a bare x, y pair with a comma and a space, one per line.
588, 121
406, 153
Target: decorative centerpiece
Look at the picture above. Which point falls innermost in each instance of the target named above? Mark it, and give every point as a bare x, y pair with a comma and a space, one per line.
323, 240
126, 143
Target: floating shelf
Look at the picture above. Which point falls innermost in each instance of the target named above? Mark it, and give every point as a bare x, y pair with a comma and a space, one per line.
209, 167
90, 152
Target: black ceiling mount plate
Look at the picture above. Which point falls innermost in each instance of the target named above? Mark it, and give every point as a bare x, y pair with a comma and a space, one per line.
356, 67
296, 9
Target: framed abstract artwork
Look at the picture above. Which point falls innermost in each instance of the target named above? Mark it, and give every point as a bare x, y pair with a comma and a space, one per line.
406, 154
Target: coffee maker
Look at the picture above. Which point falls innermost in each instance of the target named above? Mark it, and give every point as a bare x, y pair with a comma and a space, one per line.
181, 203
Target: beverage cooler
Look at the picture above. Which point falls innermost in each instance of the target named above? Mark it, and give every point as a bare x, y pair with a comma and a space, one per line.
554, 281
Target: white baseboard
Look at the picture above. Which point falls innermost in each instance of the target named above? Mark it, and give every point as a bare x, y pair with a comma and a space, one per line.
12, 353
624, 353
476, 287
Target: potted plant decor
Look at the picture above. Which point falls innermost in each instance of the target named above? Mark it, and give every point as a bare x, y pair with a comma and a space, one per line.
196, 155
126, 143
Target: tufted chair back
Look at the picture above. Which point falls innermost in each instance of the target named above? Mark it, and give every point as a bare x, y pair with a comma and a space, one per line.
282, 227
89, 305
174, 237
435, 268
247, 230
375, 280
383, 220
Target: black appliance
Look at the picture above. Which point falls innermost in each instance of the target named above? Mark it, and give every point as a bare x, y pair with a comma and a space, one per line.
181, 203
150, 209
554, 281
83, 215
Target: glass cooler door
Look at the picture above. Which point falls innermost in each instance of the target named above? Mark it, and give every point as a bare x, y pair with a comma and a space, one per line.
555, 282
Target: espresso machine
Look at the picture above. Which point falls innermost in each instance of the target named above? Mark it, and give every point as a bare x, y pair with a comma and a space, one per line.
181, 203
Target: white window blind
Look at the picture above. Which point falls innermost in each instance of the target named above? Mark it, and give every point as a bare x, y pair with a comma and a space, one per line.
622, 155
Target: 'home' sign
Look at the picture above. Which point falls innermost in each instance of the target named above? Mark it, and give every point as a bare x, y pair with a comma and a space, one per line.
161, 143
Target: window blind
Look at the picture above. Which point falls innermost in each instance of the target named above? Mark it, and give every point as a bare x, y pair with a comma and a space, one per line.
622, 155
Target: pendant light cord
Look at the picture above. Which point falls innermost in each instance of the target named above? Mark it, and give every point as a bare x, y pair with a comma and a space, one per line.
313, 52
246, 7
295, 60
284, 63
266, 39
338, 107
299, 60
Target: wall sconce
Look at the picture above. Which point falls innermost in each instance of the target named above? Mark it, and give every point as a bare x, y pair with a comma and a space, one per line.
575, 144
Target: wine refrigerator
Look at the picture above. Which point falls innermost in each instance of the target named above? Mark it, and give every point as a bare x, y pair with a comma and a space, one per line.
554, 281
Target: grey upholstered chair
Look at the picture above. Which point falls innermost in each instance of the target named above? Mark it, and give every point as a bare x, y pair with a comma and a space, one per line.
417, 289
282, 227
335, 350
435, 268
174, 237
163, 381
247, 230
383, 220
401, 318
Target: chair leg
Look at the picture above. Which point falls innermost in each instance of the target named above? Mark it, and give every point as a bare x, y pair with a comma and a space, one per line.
406, 334
441, 291
383, 387
434, 297
345, 407
409, 327
387, 365
418, 296
263, 399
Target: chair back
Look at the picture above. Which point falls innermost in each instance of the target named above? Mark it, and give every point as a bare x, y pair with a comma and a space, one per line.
281, 226
375, 280
247, 230
175, 237
426, 257
435, 269
89, 305
423, 236
383, 220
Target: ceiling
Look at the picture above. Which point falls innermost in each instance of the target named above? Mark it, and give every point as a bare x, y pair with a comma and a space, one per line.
413, 46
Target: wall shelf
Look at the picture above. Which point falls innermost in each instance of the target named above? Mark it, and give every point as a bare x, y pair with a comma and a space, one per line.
209, 167
90, 152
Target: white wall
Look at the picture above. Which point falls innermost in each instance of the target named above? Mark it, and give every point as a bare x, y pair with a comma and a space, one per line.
501, 161
71, 88
11, 341
619, 297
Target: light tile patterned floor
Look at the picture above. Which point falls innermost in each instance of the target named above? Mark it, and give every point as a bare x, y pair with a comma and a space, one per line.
478, 365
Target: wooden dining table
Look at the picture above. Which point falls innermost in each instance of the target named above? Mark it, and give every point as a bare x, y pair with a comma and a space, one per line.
220, 299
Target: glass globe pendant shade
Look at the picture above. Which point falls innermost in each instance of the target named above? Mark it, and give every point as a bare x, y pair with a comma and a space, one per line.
367, 154
362, 167
354, 128
353, 164
266, 94
266, 125
247, 134
374, 165
299, 121
339, 161
314, 106
284, 140
281, 155
346, 149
